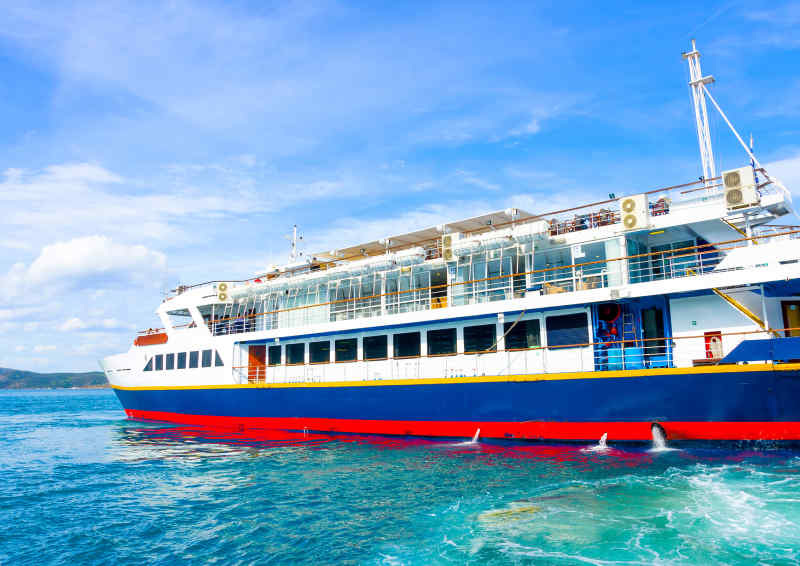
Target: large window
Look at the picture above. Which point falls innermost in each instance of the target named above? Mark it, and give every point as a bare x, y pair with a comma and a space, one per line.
442, 341
170, 361
206, 358
217, 359
480, 338
159, 362
274, 355
567, 330
320, 352
181, 360
295, 354
406, 345
347, 350
523, 335
194, 359
375, 347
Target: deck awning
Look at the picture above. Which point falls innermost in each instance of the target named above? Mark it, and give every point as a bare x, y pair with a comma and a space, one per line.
476, 224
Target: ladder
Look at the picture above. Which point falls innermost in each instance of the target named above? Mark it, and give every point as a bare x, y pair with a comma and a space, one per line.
629, 328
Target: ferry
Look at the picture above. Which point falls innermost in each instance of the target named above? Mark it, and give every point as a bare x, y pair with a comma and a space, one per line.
673, 311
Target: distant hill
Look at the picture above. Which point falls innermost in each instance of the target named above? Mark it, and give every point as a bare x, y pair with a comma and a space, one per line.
19, 379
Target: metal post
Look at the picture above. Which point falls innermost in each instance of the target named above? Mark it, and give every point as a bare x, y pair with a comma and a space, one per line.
697, 82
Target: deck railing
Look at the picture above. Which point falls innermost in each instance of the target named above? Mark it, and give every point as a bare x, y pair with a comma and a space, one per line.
690, 261
652, 353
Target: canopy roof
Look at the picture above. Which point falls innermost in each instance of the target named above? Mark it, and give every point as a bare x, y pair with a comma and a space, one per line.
476, 224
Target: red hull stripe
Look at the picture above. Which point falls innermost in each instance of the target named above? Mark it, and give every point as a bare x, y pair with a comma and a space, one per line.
537, 430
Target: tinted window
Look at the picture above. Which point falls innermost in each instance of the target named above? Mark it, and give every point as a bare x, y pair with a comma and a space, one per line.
206, 358
170, 361
375, 347
296, 354
567, 330
442, 341
406, 344
525, 334
480, 338
149, 366
194, 358
217, 359
319, 352
274, 355
346, 350
181, 360
159, 362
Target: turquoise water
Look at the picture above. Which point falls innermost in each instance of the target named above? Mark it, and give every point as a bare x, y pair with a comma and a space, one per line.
81, 485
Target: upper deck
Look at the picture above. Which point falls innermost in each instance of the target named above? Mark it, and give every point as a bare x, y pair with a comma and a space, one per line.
565, 257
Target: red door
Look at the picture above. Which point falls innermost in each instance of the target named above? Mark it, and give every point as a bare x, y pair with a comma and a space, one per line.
257, 363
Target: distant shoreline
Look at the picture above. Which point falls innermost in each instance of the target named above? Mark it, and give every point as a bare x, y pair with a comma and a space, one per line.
11, 379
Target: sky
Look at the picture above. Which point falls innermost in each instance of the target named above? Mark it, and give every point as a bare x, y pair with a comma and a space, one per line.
145, 145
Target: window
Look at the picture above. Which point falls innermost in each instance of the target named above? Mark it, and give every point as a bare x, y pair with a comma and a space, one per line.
524, 335
442, 341
567, 330
194, 358
274, 355
347, 350
406, 345
320, 352
159, 362
480, 338
170, 361
217, 359
375, 347
206, 358
149, 366
181, 360
295, 354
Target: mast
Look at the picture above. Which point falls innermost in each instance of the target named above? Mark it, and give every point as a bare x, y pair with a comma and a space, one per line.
697, 82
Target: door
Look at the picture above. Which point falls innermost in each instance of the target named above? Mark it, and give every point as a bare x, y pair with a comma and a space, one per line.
257, 363
652, 329
791, 317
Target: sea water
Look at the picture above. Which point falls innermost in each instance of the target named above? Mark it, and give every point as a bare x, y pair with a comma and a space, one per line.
80, 484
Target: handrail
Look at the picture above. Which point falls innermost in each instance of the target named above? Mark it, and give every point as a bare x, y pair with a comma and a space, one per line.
577, 345
707, 248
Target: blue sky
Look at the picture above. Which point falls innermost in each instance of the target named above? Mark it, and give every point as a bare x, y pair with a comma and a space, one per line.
148, 144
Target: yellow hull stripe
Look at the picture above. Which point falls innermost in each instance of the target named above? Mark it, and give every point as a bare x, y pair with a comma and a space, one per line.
728, 368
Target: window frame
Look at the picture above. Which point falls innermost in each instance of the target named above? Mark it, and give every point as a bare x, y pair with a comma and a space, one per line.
169, 361
180, 360
292, 348
318, 348
396, 345
492, 345
159, 365
206, 358
385, 345
584, 329
336, 344
270, 350
194, 359
448, 330
508, 332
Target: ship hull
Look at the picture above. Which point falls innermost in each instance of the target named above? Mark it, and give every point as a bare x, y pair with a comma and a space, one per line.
755, 402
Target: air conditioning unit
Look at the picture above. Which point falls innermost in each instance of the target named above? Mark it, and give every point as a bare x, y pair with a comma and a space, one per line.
740, 188
634, 212
222, 293
447, 245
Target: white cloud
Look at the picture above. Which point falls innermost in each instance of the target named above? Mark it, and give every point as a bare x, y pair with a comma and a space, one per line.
72, 324
788, 171
63, 264
471, 178
39, 348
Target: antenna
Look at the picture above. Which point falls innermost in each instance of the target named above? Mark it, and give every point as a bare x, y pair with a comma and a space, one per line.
294, 238
697, 82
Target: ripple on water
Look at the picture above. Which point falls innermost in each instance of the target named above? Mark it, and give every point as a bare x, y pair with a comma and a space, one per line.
79, 484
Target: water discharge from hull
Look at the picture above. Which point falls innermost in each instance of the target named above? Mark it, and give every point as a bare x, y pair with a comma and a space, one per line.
659, 439
601, 445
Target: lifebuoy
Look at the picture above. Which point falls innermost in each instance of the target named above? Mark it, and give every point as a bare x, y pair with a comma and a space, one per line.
609, 312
